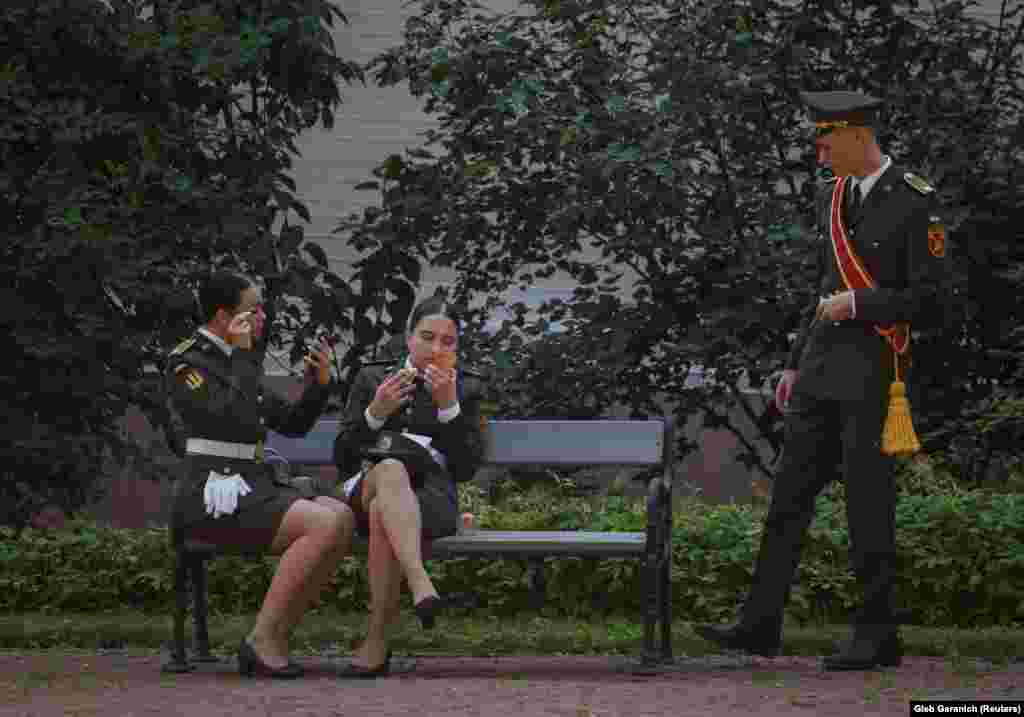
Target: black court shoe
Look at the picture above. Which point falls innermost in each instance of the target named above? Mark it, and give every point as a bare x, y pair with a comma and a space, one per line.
360, 672
427, 609
250, 665
765, 643
866, 652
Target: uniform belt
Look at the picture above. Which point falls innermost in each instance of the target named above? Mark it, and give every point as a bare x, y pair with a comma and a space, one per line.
222, 449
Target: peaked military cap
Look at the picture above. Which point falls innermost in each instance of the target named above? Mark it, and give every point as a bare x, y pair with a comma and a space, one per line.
831, 110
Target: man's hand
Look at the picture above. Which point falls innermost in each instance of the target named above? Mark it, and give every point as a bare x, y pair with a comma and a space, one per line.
785, 389
838, 307
240, 330
394, 392
319, 362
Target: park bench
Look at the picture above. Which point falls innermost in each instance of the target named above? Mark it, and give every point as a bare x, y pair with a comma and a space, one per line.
535, 443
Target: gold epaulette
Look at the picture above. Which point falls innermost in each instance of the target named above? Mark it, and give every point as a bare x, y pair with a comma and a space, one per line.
919, 183
183, 346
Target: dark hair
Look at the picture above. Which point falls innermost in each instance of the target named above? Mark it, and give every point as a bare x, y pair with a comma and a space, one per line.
221, 291
434, 306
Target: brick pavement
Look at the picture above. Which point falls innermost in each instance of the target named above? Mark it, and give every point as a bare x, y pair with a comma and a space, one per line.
130, 685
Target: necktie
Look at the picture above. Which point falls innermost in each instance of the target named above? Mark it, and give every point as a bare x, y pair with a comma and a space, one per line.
855, 199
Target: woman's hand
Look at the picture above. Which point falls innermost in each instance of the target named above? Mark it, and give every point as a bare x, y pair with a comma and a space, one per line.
393, 392
319, 362
441, 383
240, 330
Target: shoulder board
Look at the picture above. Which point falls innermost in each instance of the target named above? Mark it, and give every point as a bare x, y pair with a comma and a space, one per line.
918, 183
183, 346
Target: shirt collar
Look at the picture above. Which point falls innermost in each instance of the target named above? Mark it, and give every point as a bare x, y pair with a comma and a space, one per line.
866, 183
217, 340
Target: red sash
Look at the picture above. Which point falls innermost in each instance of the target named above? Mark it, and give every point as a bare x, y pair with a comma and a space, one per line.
855, 274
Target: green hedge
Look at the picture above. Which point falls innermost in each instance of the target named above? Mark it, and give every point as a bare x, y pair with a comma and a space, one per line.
962, 563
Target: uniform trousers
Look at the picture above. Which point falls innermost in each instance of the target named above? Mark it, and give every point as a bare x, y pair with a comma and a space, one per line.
826, 438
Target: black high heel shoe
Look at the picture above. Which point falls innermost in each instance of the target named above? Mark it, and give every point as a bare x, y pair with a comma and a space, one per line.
427, 609
358, 671
250, 665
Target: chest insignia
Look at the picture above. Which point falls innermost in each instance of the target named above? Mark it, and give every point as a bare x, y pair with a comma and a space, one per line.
194, 380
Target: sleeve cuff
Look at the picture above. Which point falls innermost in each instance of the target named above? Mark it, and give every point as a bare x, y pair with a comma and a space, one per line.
449, 414
374, 423
853, 304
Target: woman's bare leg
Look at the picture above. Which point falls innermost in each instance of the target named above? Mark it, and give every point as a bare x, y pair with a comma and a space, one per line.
308, 534
387, 484
385, 578
323, 572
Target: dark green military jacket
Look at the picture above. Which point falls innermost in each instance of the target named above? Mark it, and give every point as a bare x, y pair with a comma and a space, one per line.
222, 398
890, 233
460, 440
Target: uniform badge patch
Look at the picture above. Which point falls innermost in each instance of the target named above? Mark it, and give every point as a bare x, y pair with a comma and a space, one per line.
936, 237
193, 379
918, 183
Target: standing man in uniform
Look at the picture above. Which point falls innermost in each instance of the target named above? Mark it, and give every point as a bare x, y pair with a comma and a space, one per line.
229, 495
883, 261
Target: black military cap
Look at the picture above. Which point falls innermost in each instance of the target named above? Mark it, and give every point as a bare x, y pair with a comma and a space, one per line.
830, 110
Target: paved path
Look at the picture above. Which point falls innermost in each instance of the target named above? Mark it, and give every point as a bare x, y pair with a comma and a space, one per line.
131, 685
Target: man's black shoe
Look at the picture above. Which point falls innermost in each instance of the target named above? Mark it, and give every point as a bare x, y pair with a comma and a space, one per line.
867, 653
765, 643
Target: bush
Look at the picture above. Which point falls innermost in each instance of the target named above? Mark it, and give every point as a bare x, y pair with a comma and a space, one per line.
962, 563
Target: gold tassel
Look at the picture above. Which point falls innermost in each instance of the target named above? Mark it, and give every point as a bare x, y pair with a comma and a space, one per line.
898, 437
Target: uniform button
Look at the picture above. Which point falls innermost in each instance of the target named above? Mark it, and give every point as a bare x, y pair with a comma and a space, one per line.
226, 471
262, 421
259, 399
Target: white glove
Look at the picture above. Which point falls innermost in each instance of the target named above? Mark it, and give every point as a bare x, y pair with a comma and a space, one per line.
222, 491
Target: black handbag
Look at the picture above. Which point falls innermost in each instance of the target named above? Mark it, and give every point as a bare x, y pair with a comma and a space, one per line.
391, 444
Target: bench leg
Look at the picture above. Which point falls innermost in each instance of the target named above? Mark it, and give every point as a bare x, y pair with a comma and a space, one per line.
199, 611
538, 583
652, 573
666, 577
179, 661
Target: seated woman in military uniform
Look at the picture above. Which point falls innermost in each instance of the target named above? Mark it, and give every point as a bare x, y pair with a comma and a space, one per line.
228, 495
409, 433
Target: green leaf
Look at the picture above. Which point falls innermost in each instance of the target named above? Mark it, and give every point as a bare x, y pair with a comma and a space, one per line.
168, 42
310, 23
502, 360
619, 152
744, 39
663, 103
534, 87
568, 136
584, 120
73, 215
248, 27
440, 89
616, 103
664, 168
183, 183
503, 39
280, 25
439, 56
248, 55
201, 56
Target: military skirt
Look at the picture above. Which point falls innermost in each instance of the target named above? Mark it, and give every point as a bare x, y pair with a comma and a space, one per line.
258, 517
435, 490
